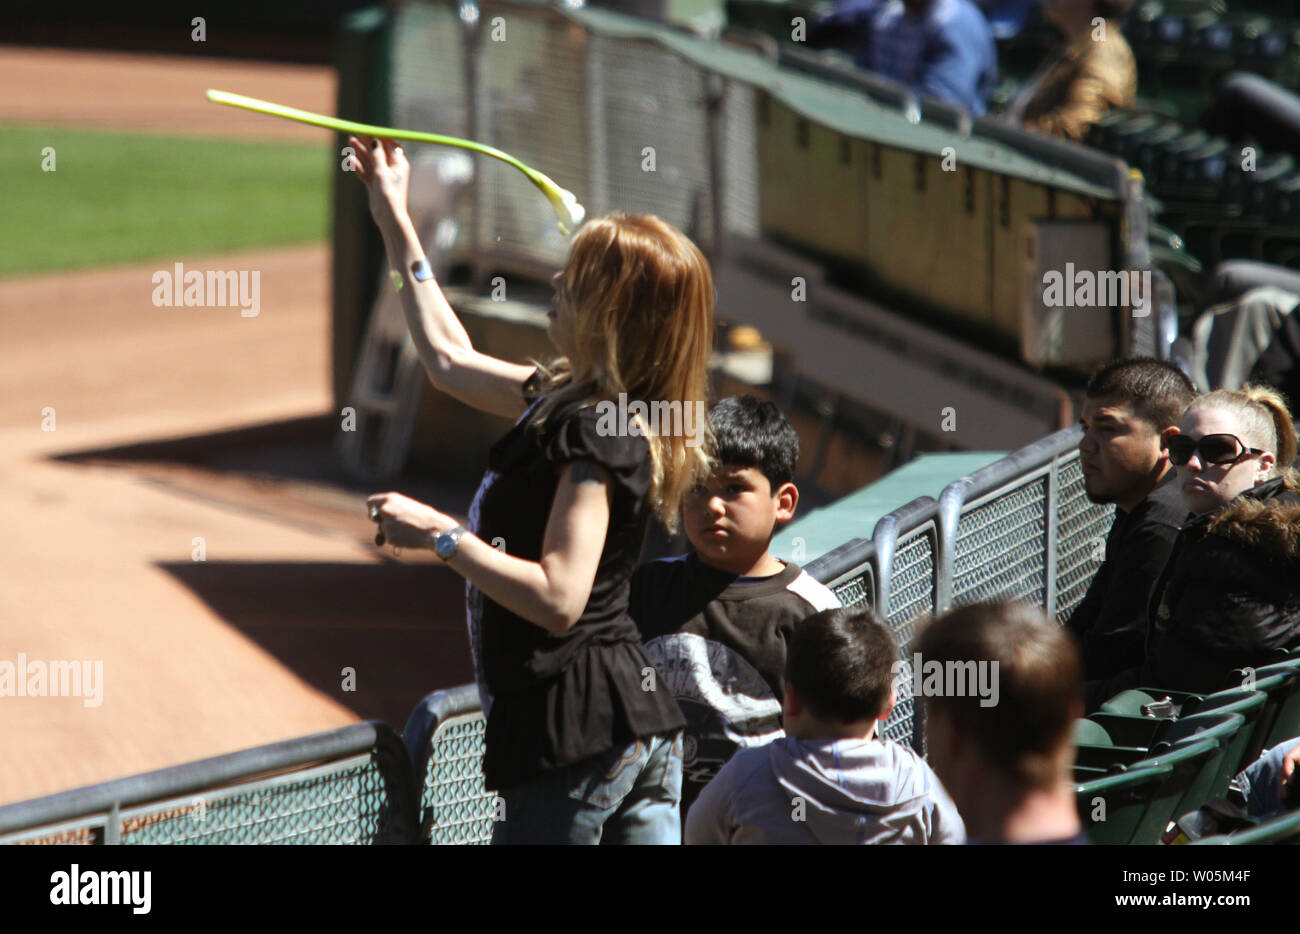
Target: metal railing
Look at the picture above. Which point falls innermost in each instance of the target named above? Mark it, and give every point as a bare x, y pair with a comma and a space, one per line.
350, 785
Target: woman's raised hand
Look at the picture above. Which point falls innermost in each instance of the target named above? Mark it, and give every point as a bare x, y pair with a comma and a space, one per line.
381, 166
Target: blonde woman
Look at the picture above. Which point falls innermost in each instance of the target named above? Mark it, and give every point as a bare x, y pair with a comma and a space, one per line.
1230, 596
580, 746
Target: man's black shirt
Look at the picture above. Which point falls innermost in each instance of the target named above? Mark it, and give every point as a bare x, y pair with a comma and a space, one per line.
1111, 620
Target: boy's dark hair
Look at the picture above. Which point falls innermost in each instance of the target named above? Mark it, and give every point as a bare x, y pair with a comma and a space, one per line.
1156, 390
841, 661
750, 433
1040, 685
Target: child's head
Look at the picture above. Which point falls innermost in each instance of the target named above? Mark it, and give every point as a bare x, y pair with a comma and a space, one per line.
730, 518
839, 671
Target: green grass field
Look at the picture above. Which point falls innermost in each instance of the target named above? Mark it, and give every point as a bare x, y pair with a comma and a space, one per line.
121, 198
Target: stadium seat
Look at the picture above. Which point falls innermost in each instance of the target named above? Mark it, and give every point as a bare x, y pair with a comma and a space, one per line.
1198, 749
1284, 829
1187, 765
1234, 730
1191, 763
1196, 713
1109, 757
1131, 702
1124, 730
1126, 799
1087, 732
1284, 721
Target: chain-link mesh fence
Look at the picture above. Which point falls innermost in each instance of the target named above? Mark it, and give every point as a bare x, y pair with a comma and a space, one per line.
1081, 529
456, 806
352, 785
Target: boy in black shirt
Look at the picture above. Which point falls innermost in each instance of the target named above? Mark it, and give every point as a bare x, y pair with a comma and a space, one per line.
716, 621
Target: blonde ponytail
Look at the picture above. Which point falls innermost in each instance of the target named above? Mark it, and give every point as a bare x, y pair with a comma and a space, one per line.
1283, 424
1265, 420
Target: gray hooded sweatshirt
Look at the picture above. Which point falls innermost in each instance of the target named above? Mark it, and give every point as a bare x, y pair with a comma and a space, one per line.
794, 791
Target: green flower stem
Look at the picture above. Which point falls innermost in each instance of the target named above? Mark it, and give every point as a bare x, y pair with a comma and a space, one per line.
568, 211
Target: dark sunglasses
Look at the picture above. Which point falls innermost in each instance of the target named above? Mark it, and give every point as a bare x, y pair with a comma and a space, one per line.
1214, 449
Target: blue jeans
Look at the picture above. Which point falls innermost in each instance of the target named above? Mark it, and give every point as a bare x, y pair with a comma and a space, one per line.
1259, 781
631, 795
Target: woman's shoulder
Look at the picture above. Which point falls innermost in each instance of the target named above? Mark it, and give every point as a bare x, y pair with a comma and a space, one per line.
1267, 526
592, 431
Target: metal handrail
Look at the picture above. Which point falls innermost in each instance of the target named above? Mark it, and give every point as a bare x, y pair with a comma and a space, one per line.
107, 799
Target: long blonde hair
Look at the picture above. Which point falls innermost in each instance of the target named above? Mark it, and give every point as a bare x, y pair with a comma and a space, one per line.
642, 296
1265, 420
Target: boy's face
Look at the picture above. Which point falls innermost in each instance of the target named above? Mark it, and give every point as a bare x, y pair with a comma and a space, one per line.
730, 518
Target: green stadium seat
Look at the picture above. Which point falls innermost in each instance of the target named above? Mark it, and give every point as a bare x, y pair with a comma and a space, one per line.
1131, 702
1126, 797
1277, 681
1233, 730
1191, 762
1090, 733
1124, 730
1084, 773
1284, 722
1283, 829
1109, 757
1144, 731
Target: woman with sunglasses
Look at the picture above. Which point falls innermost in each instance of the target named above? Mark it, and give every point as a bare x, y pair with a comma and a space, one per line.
1229, 597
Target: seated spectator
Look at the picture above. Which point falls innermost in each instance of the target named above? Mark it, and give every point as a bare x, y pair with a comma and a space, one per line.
938, 48
1129, 407
1230, 596
1007, 765
1270, 784
717, 620
1093, 72
831, 779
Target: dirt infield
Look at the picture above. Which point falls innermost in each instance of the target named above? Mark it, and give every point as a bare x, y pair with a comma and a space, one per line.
249, 644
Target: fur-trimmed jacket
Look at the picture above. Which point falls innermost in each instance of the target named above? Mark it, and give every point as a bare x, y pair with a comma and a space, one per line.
1229, 597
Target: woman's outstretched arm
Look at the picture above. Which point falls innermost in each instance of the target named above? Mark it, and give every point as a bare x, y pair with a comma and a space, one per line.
552, 592
487, 383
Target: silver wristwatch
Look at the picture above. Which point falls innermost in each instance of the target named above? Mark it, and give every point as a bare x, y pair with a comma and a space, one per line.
445, 545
